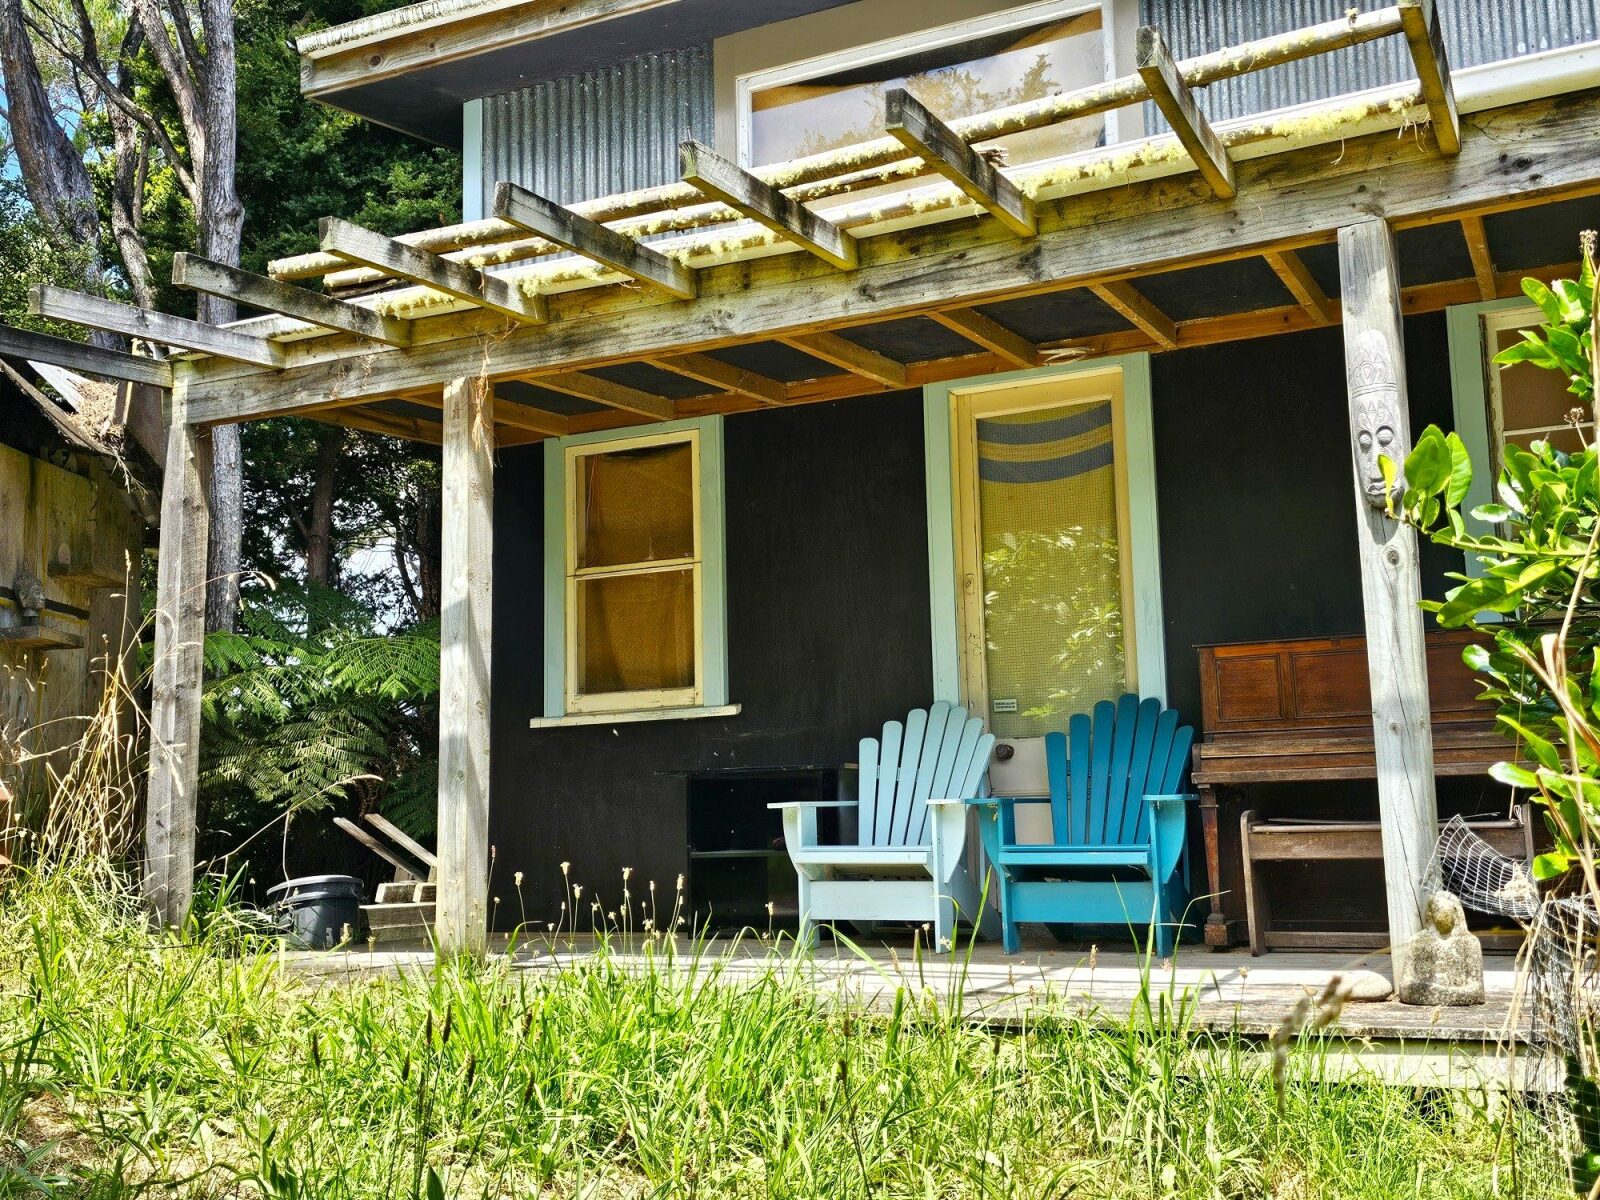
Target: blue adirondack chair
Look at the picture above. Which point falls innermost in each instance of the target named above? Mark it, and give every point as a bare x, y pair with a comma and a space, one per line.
1118, 825
908, 862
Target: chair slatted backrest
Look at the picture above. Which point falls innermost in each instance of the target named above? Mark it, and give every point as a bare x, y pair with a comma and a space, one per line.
935, 754
1104, 766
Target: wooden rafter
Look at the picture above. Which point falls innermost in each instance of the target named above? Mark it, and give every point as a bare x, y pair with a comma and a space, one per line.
1172, 96
257, 291
354, 244
373, 420
990, 334
555, 223
1289, 268
764, 204
705, 369
1472, 228
598, 390
1136, 307
910, 123
852, 356
1421, 24
524, 417
61, 304
79, 356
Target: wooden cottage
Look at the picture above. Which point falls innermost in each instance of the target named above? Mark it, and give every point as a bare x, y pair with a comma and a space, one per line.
800, 363
74, 496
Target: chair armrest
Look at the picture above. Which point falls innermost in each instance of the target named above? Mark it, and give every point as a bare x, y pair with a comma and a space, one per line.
1175, 798
996, 801
952, 801
813, 804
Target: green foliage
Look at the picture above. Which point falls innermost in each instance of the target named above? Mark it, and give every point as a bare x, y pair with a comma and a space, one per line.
1534, 597
1565, 342
299, 161
195, 1067
307, 705
27, 257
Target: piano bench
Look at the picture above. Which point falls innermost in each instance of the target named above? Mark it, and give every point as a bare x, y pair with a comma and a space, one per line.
1331, 841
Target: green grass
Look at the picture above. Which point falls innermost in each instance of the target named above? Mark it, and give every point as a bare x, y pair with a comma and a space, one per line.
132, 1064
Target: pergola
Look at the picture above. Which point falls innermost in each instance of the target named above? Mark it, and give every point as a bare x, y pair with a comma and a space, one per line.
546, 320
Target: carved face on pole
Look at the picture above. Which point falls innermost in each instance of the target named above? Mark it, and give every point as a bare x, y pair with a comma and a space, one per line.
1377, 400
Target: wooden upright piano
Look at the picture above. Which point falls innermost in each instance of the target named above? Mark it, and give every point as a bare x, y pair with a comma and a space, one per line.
1301, 710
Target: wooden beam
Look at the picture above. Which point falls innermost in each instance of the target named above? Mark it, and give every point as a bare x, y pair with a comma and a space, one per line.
1391, 585
766, 205
1138, 310
176, 673
61, 304
84, 358
355, 244
372, 420
407, 867
466, 541
1308, 293
257, 291
852, 356
1299, 199
1472, 228
1154, 63
990, 334
714, 371
518, 206
613, 395
910, 123
514, 415
1420, 20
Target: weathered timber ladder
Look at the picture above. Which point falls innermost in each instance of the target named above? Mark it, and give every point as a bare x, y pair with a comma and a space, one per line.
668, 276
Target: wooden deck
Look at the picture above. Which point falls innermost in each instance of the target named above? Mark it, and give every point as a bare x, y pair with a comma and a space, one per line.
1226, 992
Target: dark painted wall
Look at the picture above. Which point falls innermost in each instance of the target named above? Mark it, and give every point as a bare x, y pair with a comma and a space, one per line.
1254, 492
828, 637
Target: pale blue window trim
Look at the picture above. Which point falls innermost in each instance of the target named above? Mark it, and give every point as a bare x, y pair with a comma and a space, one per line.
1149, 626
713, 563
1469, 399
472, 160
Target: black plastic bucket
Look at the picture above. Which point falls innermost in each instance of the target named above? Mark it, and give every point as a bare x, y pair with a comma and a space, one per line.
318, 912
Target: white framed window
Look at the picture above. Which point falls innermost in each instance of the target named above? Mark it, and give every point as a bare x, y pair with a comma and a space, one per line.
1023, 52
1526, 402
635, 590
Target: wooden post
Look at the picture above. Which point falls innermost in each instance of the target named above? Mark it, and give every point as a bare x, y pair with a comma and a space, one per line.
466, 550
177, 674
1390, 583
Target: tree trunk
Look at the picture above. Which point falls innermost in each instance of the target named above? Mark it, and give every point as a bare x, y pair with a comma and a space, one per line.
319, 529
53, 174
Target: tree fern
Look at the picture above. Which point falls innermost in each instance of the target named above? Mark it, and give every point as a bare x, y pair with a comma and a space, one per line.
308, 705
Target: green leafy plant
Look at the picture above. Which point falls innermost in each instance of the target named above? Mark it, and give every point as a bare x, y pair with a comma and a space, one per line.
308, 704
1534, 594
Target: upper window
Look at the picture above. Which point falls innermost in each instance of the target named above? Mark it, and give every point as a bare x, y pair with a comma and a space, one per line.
974, 66
1525, 401
634, 580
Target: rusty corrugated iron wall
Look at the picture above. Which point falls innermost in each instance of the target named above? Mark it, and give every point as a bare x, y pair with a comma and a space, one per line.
1476, 31
605, 131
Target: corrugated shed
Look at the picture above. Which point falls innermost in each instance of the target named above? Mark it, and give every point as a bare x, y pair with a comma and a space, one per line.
1475, 31
605, 131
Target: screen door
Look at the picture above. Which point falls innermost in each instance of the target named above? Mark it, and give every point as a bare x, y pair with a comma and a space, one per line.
1043, 563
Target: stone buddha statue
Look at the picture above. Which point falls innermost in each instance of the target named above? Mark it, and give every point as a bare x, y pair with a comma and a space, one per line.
1443, 963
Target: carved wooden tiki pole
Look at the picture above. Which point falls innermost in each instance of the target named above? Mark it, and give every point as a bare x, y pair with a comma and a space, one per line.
1390, 582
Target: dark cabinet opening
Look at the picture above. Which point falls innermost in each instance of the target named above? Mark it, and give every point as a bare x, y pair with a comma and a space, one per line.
737, 862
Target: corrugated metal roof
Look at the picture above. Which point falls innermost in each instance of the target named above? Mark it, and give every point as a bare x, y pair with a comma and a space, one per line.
1475, 32
604, 131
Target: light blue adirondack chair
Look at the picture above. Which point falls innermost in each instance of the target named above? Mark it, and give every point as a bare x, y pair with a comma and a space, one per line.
1118, 825
908, 862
